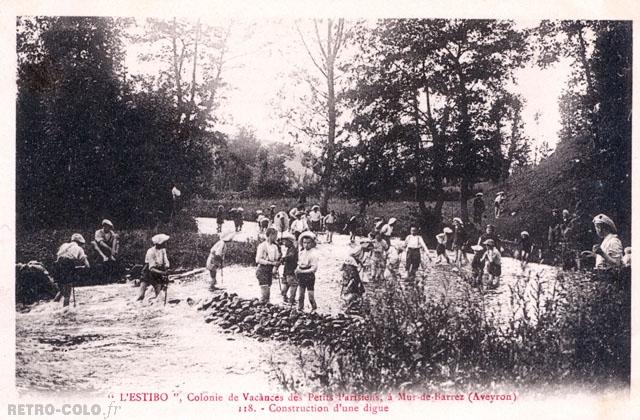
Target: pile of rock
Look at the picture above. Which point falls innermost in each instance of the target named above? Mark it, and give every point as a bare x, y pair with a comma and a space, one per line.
250, 317
33, 283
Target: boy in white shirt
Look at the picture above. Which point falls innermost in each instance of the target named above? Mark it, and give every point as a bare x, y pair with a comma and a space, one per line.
306, 270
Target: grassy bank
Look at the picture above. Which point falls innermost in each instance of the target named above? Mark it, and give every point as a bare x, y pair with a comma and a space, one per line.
580, 336
185, 249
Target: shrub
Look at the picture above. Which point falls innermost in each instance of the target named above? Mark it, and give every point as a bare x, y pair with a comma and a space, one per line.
578, 333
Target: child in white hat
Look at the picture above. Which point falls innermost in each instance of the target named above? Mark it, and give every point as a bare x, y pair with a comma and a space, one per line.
156, 265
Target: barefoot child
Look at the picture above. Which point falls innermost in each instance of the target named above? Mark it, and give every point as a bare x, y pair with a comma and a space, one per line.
441, 248
268, 260
351, 226
492, 263
329, 225
352, 286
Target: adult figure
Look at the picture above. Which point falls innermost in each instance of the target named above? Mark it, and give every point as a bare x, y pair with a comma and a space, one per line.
478, 208
107, 246
156, 266
268, 260
69, 259
306, 270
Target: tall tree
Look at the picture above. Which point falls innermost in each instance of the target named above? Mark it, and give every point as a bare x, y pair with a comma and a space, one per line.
442, 77
324, 52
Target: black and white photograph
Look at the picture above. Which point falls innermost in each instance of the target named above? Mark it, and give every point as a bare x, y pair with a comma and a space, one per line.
241, 217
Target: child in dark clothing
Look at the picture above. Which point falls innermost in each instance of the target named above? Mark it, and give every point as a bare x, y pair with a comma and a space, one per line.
290, 262
220, 218
351, 226
526, 248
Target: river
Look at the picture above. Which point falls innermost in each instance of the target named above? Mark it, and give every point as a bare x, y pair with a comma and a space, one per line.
110, 342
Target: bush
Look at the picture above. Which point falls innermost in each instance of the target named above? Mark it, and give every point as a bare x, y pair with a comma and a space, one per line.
577, 335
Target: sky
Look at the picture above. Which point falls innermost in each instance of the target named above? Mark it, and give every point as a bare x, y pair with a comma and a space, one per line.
264, 53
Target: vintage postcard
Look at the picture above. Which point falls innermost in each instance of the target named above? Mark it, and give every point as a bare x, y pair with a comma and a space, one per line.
267, 210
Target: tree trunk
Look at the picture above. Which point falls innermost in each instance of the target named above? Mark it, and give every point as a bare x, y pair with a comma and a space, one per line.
327, 174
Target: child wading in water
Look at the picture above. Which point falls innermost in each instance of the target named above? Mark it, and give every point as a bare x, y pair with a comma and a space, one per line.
237, 219
492, 263
215, 260
220, 218
526, 247
441, 248
477, 266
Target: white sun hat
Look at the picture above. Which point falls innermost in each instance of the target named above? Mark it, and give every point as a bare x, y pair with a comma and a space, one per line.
160, 238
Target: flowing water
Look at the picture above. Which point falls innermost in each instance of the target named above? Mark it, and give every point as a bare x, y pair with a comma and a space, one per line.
110, 342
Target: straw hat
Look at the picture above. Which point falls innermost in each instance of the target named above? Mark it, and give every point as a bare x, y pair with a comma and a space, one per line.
447, 230
477, 248
524, 233
316, 207
459, 220
107, 222
273, 206
603, 219
76, 237
307, 234
240, 209
479, 194
489, 242
159, 239
392, 220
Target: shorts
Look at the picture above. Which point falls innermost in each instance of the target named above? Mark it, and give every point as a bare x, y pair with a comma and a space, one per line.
215, 264
307, 281
440, 249
494, 269
330, 227
315, 225
264, 273
290, 279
